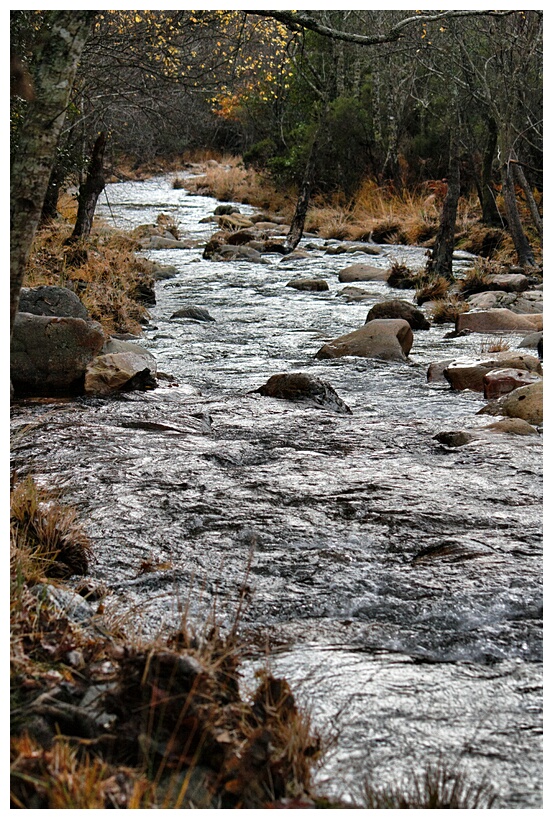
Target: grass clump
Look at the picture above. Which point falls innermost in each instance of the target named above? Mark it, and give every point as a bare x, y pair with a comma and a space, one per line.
432, 288
46, 532
447, 309
435, 788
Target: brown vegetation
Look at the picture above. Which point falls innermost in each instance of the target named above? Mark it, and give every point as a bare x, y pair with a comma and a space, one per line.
99, 721
104, 271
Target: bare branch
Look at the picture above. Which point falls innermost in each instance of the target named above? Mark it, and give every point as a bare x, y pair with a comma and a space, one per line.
299, 21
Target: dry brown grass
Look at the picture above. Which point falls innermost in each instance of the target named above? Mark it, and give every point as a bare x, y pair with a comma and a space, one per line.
229, 181
447, 309
432, 289
104, 272
46, 533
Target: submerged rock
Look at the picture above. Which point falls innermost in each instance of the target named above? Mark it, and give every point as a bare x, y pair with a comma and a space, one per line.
304, 388
195, 313
454, 438
513, 426
389, 339
308, 284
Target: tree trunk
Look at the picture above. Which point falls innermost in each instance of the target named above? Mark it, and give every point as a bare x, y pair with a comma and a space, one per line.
490, 213
50, 204
298, 221
522, 246
529, 196
90, 190
440, 262
57, 58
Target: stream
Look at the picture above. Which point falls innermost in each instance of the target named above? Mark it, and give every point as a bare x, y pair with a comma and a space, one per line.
395, 582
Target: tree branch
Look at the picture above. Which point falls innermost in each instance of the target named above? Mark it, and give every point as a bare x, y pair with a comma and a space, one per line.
299, 21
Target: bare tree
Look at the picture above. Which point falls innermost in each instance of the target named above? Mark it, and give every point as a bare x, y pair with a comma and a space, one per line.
60, 46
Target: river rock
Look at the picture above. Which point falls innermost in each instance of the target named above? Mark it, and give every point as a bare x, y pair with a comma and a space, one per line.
296, 255
362, 273
195, 313
124, 371
524, 402
513, 426
241, 237
388, 339
436, 370
396, 308
226, 210
49, 354
468, 374
501, 320
48, 300
454, 438
530, 301
500, 382
231, 253
308, 284
531, 341
234, 221
304, 388
510, 282
165, 243
351, 293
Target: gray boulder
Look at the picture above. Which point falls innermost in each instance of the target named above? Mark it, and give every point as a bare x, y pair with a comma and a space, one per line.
48, 300
49, 354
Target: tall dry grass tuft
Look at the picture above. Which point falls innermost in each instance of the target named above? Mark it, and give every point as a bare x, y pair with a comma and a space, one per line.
447, 309
432, 289
46, 533
435, 788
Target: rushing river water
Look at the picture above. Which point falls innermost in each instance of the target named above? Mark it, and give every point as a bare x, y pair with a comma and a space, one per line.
395, 582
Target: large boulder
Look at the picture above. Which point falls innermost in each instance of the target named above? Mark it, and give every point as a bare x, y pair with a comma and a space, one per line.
362, 273
388, 339
48, 300
524, 402
500, 320
396, 308
49, 354
469, 374
305, 389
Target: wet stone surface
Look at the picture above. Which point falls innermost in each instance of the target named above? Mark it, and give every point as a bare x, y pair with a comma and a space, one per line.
394, 580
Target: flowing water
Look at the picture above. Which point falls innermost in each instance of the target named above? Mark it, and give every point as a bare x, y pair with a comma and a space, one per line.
395, 582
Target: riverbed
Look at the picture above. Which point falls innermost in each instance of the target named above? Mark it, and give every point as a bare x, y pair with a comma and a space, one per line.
394, 581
